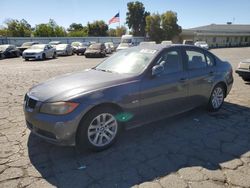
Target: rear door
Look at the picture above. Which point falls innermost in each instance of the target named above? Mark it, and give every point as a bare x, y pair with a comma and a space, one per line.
165, 94
201, 73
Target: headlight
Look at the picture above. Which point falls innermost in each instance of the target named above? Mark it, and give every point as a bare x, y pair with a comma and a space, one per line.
58, 108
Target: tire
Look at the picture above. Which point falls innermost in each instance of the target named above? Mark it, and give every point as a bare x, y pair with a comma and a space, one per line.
217, 98
77, 53
26, 59
43, 57
247, 79
54, 55
98, 136
86, 56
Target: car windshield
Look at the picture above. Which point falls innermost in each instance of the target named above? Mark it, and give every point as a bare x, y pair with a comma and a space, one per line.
3, 47
201, 42
126, 41
27, 44
54, 42
95, 46
61, 46
38, 46
76, 44
131, 61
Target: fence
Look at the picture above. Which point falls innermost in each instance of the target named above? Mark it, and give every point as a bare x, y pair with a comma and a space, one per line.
18, 41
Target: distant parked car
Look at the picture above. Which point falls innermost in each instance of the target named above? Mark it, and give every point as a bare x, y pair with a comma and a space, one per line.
243, 70
9, 51
64, 49
39, 51
189, 42
112, 46
26, 45
202, 44
132, 87
108, 48
167, 42
79, 48
147, 42
96, 50
55, 43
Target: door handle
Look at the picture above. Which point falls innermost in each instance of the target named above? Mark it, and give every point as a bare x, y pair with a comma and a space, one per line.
183, 80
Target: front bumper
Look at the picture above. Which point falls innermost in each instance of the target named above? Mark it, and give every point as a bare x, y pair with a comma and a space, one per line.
57, 129
33, 56
245, 73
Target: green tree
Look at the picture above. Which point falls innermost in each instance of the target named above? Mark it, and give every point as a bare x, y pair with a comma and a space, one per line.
75, 27
77, 30
98, 28
117, 32
50, 29
121, 31
112, 32
169, 25
16, 28
153, 27
162, 27
136, 16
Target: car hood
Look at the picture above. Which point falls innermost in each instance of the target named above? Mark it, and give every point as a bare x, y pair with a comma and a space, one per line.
33, 51
64, 87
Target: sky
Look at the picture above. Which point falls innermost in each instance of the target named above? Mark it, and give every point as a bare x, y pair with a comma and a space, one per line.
191, 13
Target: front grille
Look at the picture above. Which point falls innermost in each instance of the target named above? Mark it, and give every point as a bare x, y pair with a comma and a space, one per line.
30, 53
31, 103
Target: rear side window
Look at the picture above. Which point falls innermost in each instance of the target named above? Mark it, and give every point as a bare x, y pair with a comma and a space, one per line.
171, 60
196, 59
210, 60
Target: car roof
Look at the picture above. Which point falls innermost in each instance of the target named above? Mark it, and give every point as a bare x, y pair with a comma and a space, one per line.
159, 47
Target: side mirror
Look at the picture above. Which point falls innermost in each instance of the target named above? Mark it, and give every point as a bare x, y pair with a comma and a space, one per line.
157, 70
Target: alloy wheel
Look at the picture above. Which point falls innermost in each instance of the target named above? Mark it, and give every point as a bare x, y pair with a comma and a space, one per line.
217, 97
102, 130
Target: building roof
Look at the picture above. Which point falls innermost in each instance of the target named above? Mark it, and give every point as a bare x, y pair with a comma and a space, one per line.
223, 28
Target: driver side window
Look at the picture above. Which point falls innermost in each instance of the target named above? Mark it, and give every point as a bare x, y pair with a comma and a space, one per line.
171, 61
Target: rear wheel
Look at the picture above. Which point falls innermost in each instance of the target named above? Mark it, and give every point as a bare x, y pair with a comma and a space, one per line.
217, 98
99, 130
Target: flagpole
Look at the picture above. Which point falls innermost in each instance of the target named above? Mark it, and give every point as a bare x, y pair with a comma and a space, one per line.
119, 20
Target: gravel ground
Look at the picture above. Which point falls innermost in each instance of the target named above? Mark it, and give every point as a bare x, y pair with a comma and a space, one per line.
194, 149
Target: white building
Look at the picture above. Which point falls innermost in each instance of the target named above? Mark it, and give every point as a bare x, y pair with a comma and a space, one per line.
219, 35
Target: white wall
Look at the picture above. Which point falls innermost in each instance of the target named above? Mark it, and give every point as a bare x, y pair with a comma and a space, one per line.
18, 41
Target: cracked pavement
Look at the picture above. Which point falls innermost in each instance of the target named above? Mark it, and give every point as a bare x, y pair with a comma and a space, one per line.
194, 149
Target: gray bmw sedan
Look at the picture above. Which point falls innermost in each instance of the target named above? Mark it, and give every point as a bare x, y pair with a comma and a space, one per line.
141, 84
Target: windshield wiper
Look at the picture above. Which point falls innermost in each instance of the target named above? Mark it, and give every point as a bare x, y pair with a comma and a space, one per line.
103, 70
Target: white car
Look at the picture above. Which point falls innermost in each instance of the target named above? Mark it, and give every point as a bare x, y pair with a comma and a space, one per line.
202, 44
64, 49
39, 51
108, 48
112, 46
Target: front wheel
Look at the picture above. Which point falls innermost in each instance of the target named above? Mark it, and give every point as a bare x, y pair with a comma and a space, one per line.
54, 55
43, 57
217, 98
99, 130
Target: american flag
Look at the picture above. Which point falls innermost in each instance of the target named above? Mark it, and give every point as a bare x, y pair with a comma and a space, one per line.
115, 19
